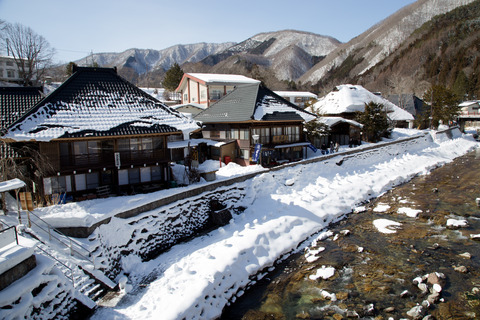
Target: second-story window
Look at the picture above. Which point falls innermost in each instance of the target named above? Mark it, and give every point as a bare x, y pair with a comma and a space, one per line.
215, 94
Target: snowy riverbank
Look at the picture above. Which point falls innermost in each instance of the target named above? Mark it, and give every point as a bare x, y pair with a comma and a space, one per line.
195, 280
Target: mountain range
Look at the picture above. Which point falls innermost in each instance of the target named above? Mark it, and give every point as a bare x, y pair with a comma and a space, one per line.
287, 59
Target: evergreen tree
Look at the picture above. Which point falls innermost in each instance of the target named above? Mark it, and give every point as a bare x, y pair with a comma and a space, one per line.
443, 105
69, 68
173, 76
374, 120
314, 128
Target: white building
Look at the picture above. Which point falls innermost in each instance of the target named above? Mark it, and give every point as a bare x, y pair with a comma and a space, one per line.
9, 71
208, 88
298, 98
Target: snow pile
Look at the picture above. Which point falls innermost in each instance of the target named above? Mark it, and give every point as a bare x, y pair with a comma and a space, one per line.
409, 212
44, 293
195, 280
323, 272
386, 226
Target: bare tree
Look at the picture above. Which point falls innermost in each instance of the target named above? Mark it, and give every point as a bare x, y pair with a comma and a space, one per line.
32, 52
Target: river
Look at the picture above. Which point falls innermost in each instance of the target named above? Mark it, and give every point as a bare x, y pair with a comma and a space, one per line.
377, 275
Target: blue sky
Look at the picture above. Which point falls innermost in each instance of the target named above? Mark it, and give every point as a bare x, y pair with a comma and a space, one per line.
75, 28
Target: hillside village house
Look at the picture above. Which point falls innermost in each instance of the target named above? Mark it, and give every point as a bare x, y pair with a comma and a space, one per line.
101, 135
469, 116
340, 130
250, 117
346, 100
208, 88
299, 98
409, 102
9, 71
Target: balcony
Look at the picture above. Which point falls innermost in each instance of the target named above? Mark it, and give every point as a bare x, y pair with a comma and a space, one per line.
107, 159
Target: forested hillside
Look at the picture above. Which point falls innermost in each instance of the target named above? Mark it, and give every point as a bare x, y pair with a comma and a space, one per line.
445, 51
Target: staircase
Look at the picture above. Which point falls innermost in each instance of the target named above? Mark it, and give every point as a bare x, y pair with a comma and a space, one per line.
75, 261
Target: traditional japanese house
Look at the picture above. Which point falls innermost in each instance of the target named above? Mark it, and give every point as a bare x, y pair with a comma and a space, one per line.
263, 126
100, 134
346, 100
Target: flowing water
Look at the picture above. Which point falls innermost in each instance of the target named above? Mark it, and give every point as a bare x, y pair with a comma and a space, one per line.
374, 272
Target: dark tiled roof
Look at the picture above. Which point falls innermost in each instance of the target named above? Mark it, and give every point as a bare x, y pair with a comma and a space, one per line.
252, 103
282, 116
15, 101
97, 102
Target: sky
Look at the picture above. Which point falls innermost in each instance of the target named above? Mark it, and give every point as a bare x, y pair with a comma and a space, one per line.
77, 28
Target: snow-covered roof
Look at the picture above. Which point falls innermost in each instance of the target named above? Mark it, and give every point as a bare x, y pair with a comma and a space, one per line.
97, 102
222, 78
331, 121
304, 94
469, 103
13, 184
270, 105
349, 98
193, 143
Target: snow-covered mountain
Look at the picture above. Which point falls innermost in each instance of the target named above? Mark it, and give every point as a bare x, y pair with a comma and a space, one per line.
288, 53
369, 48
146, 60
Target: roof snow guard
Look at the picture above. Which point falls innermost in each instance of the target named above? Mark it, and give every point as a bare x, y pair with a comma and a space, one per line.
97, 102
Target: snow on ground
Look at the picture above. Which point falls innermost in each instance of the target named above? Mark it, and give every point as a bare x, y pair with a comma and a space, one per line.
195, 280
409, 212
87, 213
386, 225
323, 272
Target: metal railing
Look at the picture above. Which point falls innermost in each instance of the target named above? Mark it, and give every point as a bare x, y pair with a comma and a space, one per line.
70, 277
64, 240
7, 236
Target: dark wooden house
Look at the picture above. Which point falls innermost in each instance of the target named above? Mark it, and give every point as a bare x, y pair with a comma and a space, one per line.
100, 134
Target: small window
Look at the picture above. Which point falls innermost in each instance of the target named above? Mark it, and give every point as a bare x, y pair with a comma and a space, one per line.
145, 175
245, 154
92, 180
133, 175
215, 94
244, 134
123, 177
80, 183
156, 173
